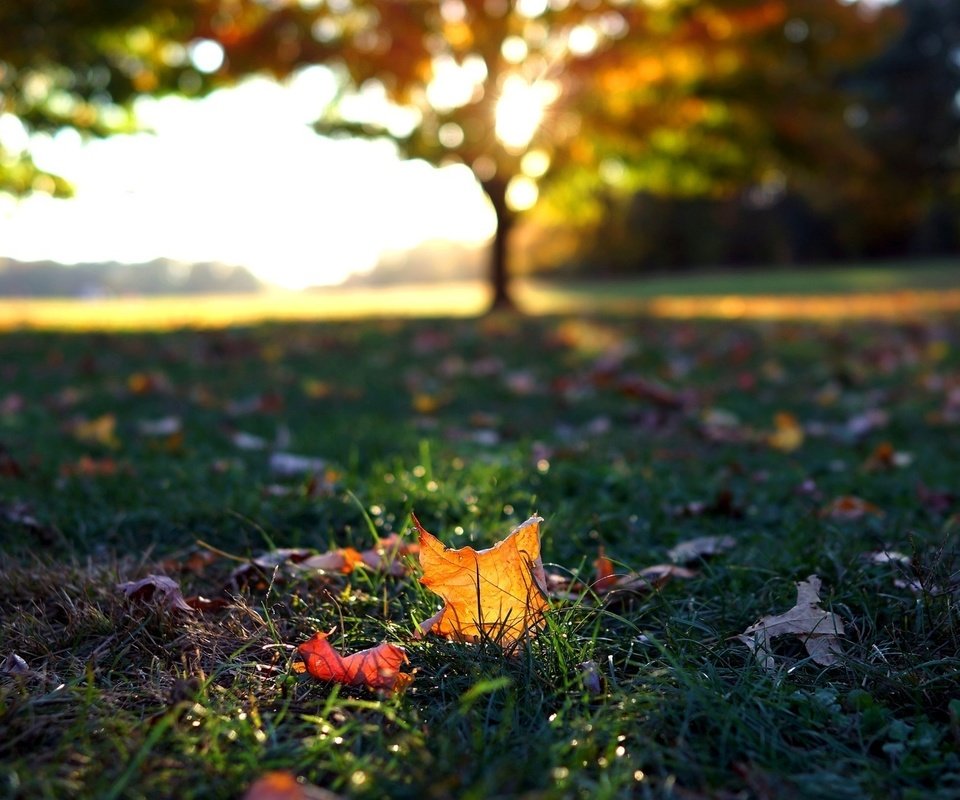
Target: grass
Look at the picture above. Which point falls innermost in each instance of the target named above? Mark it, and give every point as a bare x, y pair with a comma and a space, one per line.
597, 423
892, 291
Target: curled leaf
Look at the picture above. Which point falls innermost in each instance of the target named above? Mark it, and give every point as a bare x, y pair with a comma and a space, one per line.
375, 668
819, 629
497, 594
156, 588
693, 549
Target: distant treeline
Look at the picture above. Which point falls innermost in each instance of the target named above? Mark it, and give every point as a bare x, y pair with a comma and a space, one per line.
654, 233
160, 277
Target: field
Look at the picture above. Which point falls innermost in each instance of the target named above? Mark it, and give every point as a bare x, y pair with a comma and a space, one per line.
827, 448
870, 292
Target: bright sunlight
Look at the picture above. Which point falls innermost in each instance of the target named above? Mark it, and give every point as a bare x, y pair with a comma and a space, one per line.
240, 178
520, 110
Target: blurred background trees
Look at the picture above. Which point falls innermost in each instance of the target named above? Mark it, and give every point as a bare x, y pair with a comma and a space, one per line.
621, 135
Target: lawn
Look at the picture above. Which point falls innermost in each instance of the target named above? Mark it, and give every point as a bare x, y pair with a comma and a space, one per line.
828, 449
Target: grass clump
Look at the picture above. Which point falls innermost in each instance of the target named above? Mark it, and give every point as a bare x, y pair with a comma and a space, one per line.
121, 452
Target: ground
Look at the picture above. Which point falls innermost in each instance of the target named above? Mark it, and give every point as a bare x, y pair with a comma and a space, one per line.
130, 454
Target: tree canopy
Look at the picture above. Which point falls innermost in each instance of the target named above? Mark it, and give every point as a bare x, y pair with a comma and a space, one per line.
564, 97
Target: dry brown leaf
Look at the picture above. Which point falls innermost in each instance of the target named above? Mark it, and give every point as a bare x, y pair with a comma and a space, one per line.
693, 549
291, 465
818, 629
497, 594
388, 555
14, 665
157, 588
376, 668
343, 559
649, 578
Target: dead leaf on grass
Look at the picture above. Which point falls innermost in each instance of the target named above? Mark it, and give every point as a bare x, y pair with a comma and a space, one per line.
848, 508
694, 549
606, 574
497, 594
282, 785
818, 629
376, 668
101, 430
156, 588
787, 434
14, 665
291, 465
590, 675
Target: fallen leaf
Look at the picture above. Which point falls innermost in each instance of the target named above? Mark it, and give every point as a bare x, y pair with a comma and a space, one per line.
376, 668
9, 468
282, 785
148, 383
497, 594
603, 568
886, 557
14, 665
259, 568
649, 578
590, 675
640, 388
199, 603
885, 457
343, 559
848, 507
787, 435
693, 549
87, 467
290, 464
819, 629
163, 426
248, 441
157, 588
101, 430
388, 554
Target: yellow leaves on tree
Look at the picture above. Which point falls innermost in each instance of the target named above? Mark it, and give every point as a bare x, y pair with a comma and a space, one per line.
498, 594
375, 668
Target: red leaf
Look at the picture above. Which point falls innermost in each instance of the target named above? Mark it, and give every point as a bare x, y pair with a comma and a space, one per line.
376, 668
282, 785
606, 579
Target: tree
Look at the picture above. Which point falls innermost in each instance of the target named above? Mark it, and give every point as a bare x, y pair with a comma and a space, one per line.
911, 119
79, 64
673, 96
572, 97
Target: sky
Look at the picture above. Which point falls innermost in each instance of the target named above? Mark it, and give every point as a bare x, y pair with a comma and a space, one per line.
240, 178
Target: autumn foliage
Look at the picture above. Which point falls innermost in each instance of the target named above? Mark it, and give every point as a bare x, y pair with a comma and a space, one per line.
376, 668
497, 594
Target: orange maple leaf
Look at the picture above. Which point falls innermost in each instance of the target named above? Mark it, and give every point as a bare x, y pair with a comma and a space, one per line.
497, 594
376, 668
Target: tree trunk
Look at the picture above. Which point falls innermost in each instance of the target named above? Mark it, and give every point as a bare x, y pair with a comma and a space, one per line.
500, 278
